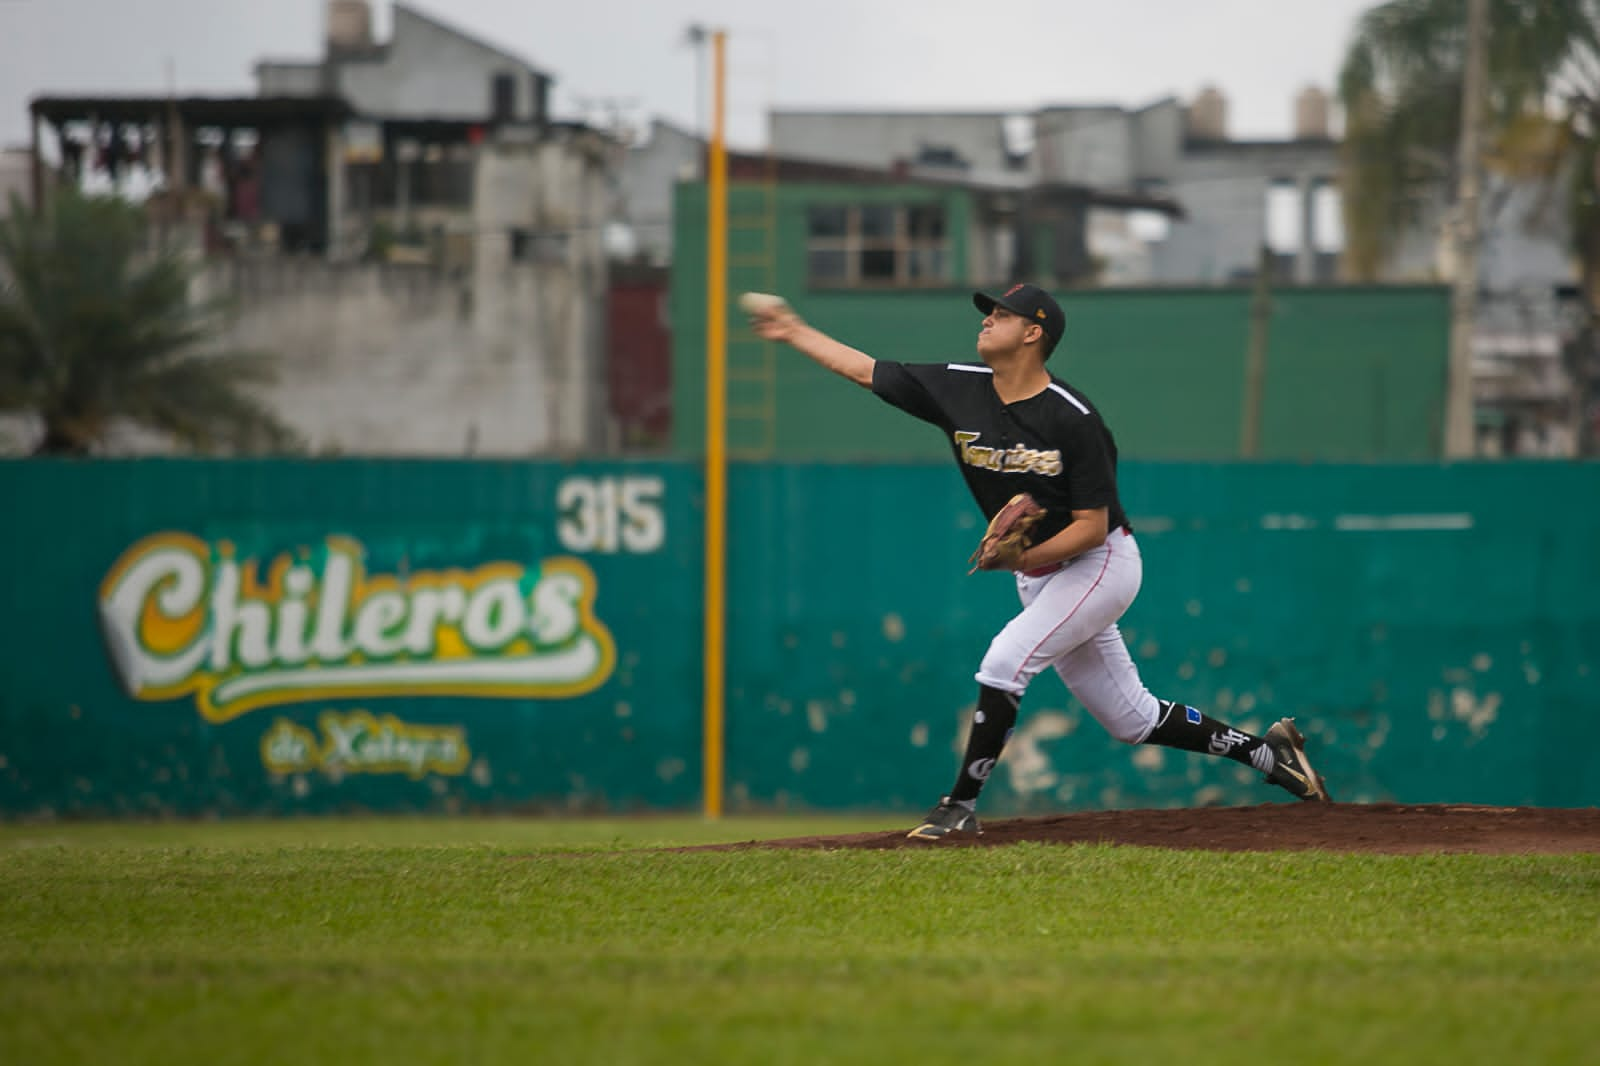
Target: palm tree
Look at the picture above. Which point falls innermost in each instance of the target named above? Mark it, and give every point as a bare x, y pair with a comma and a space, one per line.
1401, 91
93, 327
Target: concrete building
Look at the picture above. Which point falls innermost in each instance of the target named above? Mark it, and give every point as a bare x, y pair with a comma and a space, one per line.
650, 169
251, 171
1101, 146
1240, 196
1162, 150
976, 144
420, 102
427, 70
480, 327
1536, 375
503, 360
402, 224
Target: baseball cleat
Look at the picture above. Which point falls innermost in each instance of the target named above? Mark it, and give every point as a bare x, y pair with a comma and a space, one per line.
1293, 770
947, 819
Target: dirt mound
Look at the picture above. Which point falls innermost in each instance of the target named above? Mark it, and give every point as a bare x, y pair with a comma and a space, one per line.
1386, 828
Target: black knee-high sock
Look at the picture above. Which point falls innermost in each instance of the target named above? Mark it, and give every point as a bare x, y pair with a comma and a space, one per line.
1186, 728
991, 728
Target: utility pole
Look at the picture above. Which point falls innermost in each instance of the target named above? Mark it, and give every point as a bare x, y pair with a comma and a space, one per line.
716, 551
1460, 434
1255, 359
697, 37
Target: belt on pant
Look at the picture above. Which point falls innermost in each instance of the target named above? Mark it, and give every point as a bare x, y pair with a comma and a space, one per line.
1046, 571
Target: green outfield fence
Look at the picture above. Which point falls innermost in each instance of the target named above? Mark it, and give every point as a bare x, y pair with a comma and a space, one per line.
274, 637
1349, 373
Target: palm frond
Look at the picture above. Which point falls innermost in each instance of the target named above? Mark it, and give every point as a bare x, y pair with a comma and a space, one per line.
1400, 84
205, 400
94, 325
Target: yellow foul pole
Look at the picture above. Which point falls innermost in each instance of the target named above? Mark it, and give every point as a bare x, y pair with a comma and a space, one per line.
716, 433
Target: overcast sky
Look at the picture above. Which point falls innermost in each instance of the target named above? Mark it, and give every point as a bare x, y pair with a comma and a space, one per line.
629, 57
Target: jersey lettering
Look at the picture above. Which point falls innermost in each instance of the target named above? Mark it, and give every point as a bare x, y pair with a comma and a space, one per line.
1019, 459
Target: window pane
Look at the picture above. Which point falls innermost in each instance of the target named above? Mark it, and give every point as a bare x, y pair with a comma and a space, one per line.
502, 98
877, 220
1327, 218
927, 264
877, 264
827, 266
1149, 226
827, 221
1284, 217
926, 221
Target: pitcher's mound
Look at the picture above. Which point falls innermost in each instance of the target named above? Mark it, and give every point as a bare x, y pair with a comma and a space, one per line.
1388, 828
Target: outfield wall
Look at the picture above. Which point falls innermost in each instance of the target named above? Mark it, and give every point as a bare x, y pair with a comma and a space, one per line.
275, 637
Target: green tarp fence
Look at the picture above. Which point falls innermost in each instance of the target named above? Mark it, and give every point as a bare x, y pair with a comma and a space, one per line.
276, 637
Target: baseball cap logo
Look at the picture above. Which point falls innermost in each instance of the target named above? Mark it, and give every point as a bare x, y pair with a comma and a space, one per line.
1013, 290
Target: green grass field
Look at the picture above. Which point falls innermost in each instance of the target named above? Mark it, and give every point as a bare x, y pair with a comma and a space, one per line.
523, 941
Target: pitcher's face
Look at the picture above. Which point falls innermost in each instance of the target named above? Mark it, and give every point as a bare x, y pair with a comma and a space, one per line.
1004, 333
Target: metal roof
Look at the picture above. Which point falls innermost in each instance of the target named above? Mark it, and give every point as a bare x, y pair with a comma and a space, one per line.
194, 110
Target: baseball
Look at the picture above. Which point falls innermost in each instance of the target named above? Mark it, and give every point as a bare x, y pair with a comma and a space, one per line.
762, 303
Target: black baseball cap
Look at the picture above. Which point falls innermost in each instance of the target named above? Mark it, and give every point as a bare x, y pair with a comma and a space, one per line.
1033, 304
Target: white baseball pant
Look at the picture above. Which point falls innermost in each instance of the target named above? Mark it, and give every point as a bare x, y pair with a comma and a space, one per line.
1069, 621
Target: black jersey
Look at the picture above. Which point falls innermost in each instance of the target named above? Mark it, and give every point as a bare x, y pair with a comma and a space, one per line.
1053, 445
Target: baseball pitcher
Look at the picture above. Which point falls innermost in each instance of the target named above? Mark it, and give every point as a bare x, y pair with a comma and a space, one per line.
1042, 466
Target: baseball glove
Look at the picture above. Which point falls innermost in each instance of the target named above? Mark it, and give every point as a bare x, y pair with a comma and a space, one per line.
1007, 536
